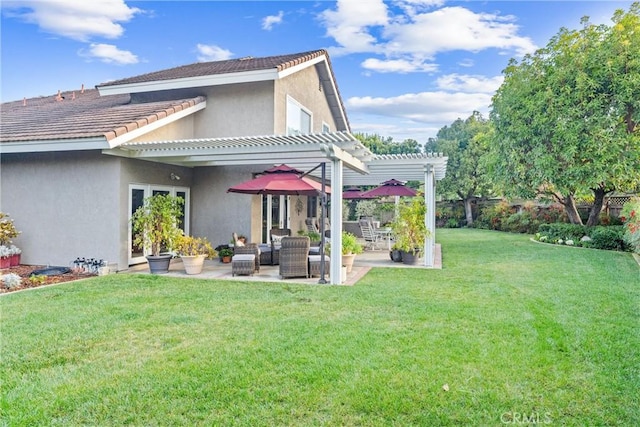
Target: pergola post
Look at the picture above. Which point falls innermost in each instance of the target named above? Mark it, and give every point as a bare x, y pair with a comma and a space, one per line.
430, 216
335, 262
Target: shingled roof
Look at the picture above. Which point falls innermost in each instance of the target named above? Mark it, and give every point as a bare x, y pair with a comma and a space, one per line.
278, 62
81, 114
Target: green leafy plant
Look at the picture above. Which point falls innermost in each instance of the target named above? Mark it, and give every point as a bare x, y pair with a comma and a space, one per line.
7, 229
225, 252
409, 226
191, 246
155, 223
312, 235
350, 244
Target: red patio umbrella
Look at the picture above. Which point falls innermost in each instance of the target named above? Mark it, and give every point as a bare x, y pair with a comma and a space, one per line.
392, 187
281, 180
353, 193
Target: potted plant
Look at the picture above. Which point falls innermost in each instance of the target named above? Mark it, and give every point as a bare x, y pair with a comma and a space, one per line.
395, 253
193, 251
313, 236
410, 230
350, 248
225, 255
155, 227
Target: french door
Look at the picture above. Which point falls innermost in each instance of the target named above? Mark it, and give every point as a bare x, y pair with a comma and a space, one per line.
275, 213
137, 194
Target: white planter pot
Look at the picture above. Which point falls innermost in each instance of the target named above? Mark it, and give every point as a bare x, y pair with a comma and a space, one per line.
193, 264
344, 274
347, 261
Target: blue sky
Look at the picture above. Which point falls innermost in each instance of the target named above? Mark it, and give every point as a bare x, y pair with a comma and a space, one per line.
404, 68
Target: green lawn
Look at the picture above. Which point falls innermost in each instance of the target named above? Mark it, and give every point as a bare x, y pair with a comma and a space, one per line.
519, 332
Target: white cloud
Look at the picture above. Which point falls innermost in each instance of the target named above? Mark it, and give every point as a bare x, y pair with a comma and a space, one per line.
398, 66
467, 63
212, 53
349, 24
109, 54
437, 108
370, 27
468, 83
75, 19
269, 21
455, 28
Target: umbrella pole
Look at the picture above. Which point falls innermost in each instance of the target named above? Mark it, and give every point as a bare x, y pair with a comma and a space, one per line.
323, 201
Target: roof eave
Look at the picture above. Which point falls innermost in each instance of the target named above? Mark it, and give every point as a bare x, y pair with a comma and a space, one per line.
48, 145
191, 82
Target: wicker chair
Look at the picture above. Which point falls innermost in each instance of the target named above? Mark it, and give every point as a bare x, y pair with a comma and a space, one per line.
294, 257
248, 249
275, 243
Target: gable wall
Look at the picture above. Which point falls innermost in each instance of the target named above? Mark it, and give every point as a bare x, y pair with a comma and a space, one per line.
181, 129
244, 109
303, 86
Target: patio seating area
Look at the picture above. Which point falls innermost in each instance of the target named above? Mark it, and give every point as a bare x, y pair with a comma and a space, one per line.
214, 269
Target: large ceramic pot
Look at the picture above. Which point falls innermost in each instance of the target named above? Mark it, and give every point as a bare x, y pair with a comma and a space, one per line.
410, 258
159, 264
347, 261
193, 264
395, 255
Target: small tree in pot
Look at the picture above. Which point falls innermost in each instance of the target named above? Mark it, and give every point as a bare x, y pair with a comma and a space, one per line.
155, 227
410, 230
193, 251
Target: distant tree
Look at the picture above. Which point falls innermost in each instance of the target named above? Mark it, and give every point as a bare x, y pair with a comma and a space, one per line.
566, 118
381, 145
465, 143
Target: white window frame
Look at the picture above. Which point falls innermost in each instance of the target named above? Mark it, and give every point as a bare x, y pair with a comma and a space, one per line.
325, 127
294, 118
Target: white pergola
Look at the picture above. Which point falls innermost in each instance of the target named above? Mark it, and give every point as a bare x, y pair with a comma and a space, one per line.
348, 161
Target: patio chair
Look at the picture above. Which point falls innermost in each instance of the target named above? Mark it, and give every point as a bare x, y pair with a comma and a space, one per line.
294, 257
276, 236
312, 227
243, 264
371, 238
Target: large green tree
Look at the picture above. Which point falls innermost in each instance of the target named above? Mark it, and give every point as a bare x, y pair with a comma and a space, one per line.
465, 143
566, 118
381, 145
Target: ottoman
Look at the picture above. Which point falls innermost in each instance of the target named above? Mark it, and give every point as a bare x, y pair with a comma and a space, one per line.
314, 265
243, 264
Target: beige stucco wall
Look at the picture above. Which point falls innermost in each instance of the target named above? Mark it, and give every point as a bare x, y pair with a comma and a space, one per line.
181, 129
304, 87
66, 204
236, 110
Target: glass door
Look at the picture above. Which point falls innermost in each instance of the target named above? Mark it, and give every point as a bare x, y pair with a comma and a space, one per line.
275, 214
137, 194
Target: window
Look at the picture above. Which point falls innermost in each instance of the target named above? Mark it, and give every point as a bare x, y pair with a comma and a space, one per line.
298, 118
325, 128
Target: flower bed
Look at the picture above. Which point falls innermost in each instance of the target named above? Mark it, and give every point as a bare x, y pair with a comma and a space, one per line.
26, 282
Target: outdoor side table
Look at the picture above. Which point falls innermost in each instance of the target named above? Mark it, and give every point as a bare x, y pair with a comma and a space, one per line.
243, 264
315, 263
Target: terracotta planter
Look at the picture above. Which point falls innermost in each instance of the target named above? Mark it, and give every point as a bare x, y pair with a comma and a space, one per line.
347, 261
193, 264
226, 259
5, 262
15, 260
159, 264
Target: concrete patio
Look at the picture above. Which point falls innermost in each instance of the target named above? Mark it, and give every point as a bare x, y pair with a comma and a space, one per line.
214, 269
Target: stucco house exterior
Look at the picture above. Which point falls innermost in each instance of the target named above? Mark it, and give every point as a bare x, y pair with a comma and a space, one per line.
75, 165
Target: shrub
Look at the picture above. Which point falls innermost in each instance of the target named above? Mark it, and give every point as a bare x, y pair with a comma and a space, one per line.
630, 215
11, 280
562, 231
608, 238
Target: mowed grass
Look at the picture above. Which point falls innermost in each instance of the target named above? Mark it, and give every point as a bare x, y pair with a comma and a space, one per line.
508, 332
